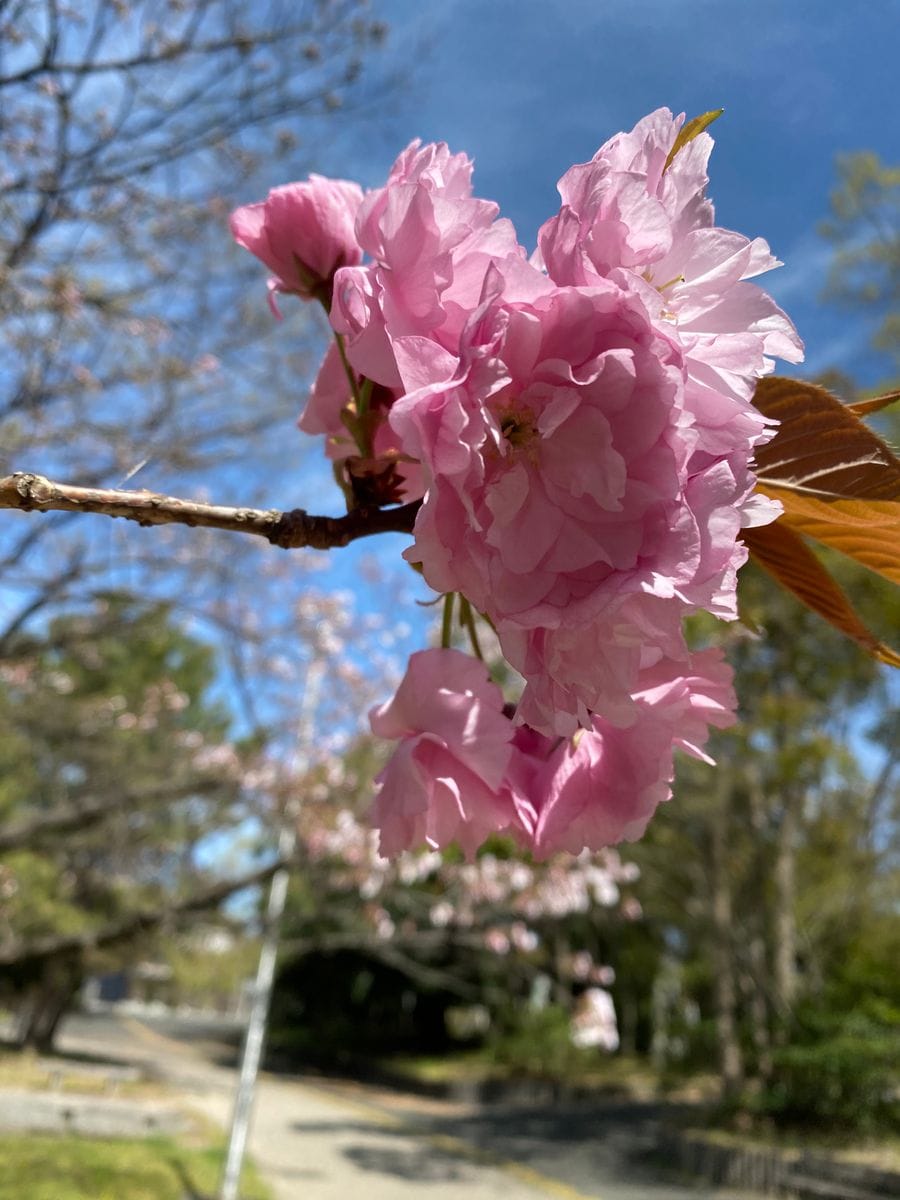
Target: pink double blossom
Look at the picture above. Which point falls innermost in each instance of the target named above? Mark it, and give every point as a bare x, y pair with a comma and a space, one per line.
431, 243
303, 232
575, 671
603, 786
627, 216
580, 428
444, 781
462, 770
556, 456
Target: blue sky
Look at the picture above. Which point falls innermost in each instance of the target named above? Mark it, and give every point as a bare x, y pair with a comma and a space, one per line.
527, 87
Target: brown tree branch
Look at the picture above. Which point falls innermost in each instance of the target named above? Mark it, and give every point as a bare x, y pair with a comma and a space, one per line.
404, 955
290, 530
16, 953
73, 818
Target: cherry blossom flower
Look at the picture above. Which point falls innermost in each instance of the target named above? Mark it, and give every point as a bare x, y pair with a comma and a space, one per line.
303, 232
576, 671
627, 216
443, 782
557, 457
603, 786
580, 429
463, 770
432, 243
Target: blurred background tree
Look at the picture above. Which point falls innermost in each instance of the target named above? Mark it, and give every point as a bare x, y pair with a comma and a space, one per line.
134, 336
770, 896
135, 343
763, 887
118, 768
864, 229
431, 953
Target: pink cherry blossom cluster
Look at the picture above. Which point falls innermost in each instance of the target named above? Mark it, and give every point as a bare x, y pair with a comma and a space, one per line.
579, 429
508, 907
594, 1021
464, 770
462, 895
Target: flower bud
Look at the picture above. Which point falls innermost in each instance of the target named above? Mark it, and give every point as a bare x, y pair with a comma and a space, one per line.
303, 232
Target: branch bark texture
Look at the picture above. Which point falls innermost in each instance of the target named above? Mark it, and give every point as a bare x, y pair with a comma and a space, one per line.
294, 529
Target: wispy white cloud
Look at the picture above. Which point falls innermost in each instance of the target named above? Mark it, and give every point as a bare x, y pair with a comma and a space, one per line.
804, 272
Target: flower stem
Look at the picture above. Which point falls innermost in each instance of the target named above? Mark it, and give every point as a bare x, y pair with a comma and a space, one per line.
361, 425
467, 621
348, 370
365, 394
447, 623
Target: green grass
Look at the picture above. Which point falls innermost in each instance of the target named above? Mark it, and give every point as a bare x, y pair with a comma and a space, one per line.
75, 1168
603, 1072
24, 1069
426, 1068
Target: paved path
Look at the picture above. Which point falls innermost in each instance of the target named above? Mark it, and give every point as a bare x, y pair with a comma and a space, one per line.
316, 1141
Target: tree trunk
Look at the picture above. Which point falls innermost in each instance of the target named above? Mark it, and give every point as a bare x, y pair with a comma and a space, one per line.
785, 919
731, 1059
758, 943
628, 1022
46, 1004
759, 1008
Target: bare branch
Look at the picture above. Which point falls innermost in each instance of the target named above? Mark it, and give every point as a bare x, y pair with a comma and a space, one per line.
52, 590
290, 530
72, 818
127, 927
181, 49
392, 955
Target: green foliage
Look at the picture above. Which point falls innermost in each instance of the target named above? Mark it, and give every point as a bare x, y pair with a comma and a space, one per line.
814, 729
207, 978
106, 713
838, 1075
74, 1168
537, 1044
109, 707
43, 898
865, 230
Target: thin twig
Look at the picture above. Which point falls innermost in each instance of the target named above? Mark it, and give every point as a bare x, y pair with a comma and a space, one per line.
290, 530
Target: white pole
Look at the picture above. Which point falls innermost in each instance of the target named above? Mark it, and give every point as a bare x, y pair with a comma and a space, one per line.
265, 972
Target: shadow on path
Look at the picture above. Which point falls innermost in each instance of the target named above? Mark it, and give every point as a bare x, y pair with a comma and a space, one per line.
583, 1146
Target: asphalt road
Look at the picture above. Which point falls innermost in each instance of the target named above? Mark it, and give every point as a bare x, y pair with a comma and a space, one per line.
338, 1141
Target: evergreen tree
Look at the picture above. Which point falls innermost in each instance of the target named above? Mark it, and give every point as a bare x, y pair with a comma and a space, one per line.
116, 768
